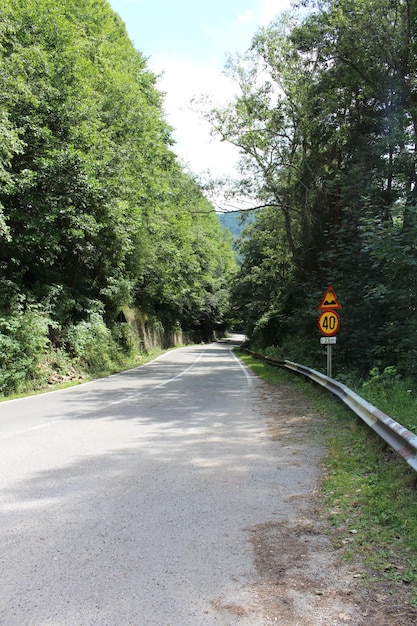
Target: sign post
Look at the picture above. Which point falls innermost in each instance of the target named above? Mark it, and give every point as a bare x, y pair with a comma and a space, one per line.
329, 323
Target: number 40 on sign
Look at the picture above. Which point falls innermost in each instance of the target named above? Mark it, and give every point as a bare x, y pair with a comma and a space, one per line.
329, 323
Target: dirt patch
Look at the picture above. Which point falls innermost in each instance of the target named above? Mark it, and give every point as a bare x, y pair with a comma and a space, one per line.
301, 580
295, 417
301, 577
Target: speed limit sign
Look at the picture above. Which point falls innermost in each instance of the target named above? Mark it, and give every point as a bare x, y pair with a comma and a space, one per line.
329, 323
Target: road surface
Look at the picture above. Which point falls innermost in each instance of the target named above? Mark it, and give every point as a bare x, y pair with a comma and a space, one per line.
141, 499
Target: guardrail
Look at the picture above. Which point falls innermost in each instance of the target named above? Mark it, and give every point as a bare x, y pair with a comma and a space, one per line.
403, 441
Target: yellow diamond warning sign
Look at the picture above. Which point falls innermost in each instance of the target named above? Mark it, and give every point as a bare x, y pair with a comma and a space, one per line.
329, 301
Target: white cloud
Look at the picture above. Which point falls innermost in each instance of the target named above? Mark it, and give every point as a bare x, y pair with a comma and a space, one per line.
269, 9
182, 80
245, 17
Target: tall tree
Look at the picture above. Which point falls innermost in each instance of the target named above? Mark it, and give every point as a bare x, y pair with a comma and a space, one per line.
95, 205
326, 125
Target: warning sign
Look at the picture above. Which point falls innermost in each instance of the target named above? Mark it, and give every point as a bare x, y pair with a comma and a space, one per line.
329, 301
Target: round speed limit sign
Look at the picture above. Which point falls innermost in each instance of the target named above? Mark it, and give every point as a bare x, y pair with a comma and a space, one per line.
329, 323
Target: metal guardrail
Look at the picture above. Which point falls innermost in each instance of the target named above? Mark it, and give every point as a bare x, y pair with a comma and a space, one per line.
403, 441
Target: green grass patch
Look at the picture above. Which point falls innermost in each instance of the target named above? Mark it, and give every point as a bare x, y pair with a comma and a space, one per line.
368, 491
392, 394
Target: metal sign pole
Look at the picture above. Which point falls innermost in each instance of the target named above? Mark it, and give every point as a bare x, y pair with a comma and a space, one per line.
329, 360
328, 342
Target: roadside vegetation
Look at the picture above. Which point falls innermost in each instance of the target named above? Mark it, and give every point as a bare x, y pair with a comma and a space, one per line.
97, 215
368, 492
326, 123
92, 350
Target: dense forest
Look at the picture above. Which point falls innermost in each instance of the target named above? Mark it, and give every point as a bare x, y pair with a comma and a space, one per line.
96, 214
326, 123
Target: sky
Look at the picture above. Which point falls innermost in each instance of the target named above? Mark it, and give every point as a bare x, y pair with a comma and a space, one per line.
186, 43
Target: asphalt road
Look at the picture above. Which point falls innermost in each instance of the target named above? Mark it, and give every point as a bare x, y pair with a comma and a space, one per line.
127, 501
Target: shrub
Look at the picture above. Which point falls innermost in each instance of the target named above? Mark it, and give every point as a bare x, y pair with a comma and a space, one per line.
90, 344
126, 338
23, 345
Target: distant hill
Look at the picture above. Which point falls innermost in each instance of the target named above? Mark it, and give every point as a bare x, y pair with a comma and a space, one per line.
236, 221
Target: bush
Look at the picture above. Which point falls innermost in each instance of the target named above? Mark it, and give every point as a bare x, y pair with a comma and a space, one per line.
23, 344
91, 345
35, 352
126, 339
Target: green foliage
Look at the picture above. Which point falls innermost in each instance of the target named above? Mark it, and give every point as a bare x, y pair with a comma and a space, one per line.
66, 214
258, 288
95, 210
186, 278
370, 493
391, 393
35, 353
326, 121
23, 346
126, 339
90, 344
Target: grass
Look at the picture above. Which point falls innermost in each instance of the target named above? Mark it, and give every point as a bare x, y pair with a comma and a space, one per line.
393, 395
368, 491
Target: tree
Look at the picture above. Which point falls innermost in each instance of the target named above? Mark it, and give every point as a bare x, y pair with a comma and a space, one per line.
325, 122
96, 207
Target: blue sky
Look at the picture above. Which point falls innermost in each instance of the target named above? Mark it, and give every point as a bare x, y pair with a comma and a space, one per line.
187, 42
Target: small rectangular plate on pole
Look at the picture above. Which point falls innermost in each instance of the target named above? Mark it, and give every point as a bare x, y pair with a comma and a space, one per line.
327, 340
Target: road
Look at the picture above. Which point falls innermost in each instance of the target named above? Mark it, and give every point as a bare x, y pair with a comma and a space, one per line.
132, 500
